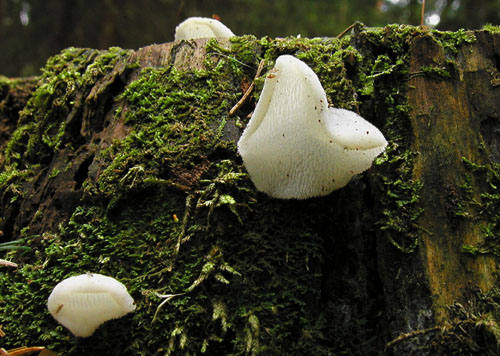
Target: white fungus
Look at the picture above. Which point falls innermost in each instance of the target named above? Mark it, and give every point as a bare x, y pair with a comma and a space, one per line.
82, 303
201, 27
294, 146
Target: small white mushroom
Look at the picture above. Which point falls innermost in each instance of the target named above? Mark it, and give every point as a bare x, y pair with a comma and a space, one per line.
294, 146
201, 27
82, 303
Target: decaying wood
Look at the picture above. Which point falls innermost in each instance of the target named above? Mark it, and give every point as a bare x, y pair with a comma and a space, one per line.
451, 118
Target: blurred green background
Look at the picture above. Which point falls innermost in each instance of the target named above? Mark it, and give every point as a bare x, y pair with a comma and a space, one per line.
33, 30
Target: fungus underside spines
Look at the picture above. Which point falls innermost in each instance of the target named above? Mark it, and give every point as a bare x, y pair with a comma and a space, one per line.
290, 147
261, 110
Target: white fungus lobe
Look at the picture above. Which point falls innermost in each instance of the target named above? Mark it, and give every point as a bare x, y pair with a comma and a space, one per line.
82, 303
201, 27
294, 146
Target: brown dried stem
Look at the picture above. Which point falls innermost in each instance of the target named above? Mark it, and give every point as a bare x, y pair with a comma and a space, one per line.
245, 96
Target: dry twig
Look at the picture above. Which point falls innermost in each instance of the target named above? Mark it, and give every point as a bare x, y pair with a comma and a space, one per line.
346, 30
21, 351
7, 263
245, 96
422, 13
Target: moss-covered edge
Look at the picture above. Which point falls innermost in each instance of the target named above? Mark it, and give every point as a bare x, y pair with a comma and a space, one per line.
201, 236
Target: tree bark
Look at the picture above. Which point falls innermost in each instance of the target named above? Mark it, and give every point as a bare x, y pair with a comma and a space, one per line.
124, 163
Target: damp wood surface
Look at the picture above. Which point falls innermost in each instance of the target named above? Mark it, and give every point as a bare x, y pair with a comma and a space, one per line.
124, 163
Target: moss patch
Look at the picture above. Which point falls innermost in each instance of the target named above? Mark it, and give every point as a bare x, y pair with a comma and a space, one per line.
484, 209
169, 211
173, 212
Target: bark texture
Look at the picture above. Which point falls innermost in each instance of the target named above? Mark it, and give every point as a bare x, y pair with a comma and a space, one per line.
124, 163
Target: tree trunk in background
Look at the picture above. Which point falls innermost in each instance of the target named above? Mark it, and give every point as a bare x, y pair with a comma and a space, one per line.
454, 119
454, 108
402, 261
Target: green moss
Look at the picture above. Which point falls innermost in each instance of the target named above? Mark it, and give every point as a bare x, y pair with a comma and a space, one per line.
401, 209
471, 332
484, 209
173, 215
491, 28
179, 118
451, 41
436, 71
42, 124
218, 299
472, 250
386, 80
5, 84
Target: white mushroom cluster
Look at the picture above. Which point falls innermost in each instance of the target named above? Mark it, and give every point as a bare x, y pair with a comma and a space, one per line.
82, 303
295, 146
201, 27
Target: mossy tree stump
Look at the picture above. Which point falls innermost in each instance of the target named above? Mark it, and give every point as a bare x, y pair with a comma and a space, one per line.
124, 163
